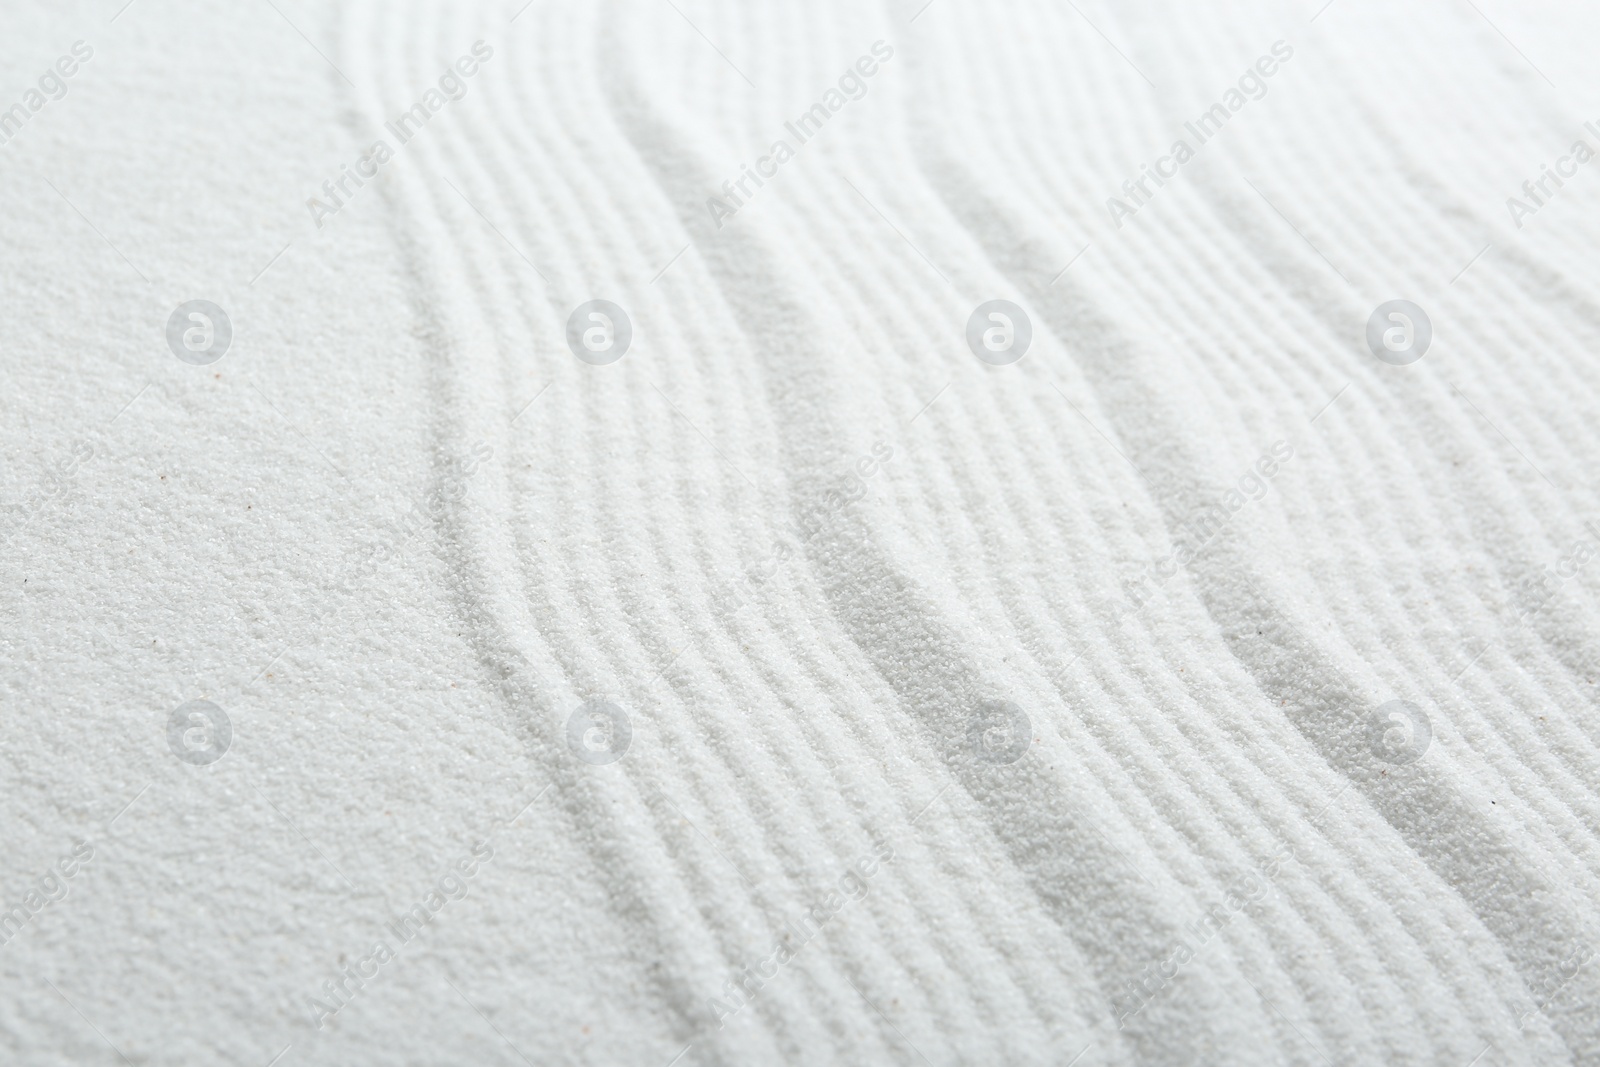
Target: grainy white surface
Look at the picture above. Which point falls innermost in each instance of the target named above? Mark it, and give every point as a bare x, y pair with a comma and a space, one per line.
800, 536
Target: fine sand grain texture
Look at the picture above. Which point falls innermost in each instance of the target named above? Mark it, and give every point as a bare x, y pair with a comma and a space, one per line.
683, 532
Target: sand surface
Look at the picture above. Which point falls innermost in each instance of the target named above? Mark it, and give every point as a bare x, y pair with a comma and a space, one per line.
799, 657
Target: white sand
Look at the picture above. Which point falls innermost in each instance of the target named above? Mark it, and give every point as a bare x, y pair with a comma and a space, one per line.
813, 551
